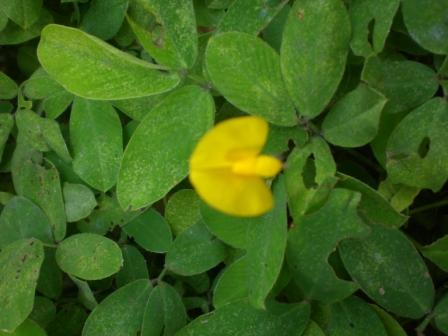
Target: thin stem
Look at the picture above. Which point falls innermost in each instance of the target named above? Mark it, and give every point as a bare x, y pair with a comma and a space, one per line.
420, 330
429, 207
161, 275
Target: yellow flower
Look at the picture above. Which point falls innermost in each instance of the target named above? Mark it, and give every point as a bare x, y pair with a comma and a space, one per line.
227, 170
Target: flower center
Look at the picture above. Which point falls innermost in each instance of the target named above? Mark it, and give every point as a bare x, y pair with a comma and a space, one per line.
262, 165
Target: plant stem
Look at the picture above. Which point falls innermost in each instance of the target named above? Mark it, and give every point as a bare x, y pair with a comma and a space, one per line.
422, 326
429, 206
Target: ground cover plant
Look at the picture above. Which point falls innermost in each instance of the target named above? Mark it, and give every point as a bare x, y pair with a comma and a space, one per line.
223, 167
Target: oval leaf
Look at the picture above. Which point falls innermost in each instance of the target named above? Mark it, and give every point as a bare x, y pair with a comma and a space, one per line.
89, 256
90, 68
314, 52
156, 158
96, 138
253, 84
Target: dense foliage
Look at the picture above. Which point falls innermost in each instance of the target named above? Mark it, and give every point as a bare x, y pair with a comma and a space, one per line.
101, 105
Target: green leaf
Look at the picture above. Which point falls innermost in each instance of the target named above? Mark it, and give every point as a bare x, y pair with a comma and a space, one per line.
164, 313
182, 210
19, 268
309, 177
280, 137
150, 169
55, 98
22, 219
8, 87
40, 184
137, 108
96, 138
85, 294
150, 231
426, 23
79, 201
373, 205
249, 16
173, 41
313, 329
253, 84
27, 328
240, 319
68, 322
23, 12
313, 53
104, 18
90, 68
121, 312
89, 256
194, 251
417, 151
6, 125
437, 252
44, 311
14, 34
254, 275
314, 238
50, 276
392, 327
441, 314
371, 24
134, 266
399, 196
353, 121
390, 271
41, 133
406, 84
351, 317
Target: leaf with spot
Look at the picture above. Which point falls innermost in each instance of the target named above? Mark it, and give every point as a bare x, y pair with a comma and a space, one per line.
351, 317
254, 275
151, 231
194, 251
41, 133
172, 39
150, 169
182, 210
79, 201
134, 266
406, 84
241, 319
310, 176
417, 149
246, 70
371, 24
354, 119
39, 183
90, 68
313, 53
104, 18
426, 23
164, 313
121, 312
314, 238
19, 269
96, 138
89, 256
22, 219
372, 205
250, 16
390, 271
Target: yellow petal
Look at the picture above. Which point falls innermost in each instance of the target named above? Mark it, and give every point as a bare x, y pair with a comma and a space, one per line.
262, 165
230, 141
232, 194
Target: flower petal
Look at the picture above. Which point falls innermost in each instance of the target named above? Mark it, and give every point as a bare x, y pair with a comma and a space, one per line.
232, 194
229, 141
